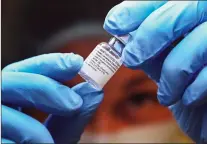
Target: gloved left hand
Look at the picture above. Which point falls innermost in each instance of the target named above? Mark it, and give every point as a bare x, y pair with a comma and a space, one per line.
36, 83
179, 69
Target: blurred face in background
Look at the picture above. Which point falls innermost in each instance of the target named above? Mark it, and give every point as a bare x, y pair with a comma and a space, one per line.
130, 111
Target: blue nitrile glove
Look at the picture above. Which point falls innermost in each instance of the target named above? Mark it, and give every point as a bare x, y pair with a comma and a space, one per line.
36, 83
179, 70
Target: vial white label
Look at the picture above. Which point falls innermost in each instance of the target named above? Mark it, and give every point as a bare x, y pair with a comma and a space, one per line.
101, 64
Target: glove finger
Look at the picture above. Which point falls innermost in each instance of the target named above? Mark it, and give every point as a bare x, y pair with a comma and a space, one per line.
33, 90
182, 65
6, 141
189, 119
69, 129
60, 67
21, 128
128, 15
161, 28
196, 93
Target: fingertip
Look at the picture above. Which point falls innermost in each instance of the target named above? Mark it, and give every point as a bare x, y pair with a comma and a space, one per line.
165, 99
85, 87
162, 101
75, 60
131, 56
87, 91
188, 99
70, 62
75, 102
65, 67
196, 93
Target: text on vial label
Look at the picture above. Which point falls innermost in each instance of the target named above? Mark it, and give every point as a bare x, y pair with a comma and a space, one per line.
101, 64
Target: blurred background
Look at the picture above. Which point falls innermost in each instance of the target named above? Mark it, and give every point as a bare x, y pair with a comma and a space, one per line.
130, 111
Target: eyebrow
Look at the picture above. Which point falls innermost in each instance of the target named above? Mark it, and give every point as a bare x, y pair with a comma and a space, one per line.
136, 81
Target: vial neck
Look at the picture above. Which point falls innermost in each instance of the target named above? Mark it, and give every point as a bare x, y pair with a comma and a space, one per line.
116, 45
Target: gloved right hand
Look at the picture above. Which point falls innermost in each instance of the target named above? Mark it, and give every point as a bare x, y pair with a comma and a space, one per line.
36, 83
179, 70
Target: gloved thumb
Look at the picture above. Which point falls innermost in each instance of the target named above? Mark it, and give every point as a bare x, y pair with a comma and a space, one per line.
69, 129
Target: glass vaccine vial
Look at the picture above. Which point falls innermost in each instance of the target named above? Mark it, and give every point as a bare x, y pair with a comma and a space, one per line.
103, 61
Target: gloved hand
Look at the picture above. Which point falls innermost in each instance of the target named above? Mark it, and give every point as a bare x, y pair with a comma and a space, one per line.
36, 83
179, 69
